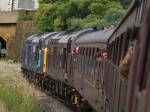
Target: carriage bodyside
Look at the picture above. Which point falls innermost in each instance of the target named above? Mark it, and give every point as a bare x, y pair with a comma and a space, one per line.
126, 36
88, 77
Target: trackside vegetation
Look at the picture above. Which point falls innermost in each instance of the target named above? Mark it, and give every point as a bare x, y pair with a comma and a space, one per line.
56, 15
14, 101
15, 95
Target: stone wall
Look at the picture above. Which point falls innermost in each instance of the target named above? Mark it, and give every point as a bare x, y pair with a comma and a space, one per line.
9, 17
12, 17
7, 31
14, 32
23, 30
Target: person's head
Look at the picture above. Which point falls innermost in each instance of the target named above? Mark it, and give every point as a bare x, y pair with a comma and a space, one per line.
105, 55
77, 50
131, 43
99, 58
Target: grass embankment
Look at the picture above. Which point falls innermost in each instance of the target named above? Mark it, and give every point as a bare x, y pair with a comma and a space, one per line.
15, 94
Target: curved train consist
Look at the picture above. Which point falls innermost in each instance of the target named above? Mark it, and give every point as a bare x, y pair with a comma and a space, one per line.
102, 70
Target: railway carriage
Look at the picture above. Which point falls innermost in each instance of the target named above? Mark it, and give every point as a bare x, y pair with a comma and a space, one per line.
130, 93
51, 56
87, 71
60, 48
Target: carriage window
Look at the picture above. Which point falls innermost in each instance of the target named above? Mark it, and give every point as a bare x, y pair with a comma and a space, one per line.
60, 51
98, 50
115, 51
94, 52
80, 49
119, 50
125, 44
52, 50
110, 52
90, 52
83, 50
64, 58
54, 57
86, 51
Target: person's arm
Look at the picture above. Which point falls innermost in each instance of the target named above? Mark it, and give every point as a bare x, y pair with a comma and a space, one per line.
125, 64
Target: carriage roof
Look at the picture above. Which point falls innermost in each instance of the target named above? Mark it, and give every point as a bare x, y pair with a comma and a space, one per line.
97, 36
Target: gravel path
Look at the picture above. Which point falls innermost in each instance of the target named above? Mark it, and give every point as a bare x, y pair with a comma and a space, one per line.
46, 103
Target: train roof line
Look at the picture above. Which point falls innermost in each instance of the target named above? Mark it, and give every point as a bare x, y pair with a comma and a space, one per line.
133, 5
96, 36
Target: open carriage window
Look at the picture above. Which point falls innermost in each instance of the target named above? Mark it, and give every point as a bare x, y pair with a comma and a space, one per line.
83, 50
86, 51
93, 52
110, 51
90, 52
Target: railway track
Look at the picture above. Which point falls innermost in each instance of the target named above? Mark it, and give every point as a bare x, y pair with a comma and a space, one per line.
52, 94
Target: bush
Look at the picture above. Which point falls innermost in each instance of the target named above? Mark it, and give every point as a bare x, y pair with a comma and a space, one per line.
25, 18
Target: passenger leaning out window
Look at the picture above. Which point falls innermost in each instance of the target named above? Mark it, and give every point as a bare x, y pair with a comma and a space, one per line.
124, 66
101, 56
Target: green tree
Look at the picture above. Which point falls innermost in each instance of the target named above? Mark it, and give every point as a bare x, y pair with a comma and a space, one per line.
97, 8
113, 13
56, 15
78, 8
74, 23
45, 17
58, 24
